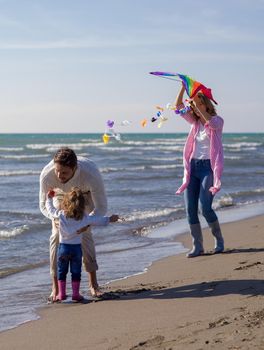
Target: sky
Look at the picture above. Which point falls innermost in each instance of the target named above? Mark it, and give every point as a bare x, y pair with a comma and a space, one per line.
69, 66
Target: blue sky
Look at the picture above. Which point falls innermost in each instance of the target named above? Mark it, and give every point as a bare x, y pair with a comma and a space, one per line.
68, 66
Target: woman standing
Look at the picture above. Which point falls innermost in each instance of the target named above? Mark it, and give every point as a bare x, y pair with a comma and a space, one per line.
203, 166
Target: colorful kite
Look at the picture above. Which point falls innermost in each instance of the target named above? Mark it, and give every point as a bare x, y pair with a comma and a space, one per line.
191, 86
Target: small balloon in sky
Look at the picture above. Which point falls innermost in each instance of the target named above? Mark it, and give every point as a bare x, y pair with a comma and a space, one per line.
106, 138
110, 123
162, 120
170, 106
143, 123
117, 137
125, 123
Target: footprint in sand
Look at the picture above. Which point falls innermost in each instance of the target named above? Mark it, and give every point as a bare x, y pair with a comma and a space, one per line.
245, 267
223, 321
148, 344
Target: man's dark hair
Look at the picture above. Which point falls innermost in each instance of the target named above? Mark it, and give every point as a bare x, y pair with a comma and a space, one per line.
66, 157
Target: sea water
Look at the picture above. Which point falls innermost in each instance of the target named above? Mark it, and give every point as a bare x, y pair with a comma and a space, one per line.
141, 174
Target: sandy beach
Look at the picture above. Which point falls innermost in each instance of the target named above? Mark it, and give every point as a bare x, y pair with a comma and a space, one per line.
209, 302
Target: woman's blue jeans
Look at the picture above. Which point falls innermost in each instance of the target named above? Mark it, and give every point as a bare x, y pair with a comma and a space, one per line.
69, 254
201, 180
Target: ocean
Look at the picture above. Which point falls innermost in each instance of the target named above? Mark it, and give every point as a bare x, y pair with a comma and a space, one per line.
141, 174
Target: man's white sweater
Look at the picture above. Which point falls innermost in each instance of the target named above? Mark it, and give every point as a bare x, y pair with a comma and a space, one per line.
86, 177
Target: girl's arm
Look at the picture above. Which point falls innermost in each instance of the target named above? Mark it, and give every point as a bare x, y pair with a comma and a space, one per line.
96, 220
52, 211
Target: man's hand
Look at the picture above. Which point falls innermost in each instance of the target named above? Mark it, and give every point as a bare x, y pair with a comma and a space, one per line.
113, 218
56, 223
83, 229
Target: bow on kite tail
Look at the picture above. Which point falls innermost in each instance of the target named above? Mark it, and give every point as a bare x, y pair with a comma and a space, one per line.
191, 86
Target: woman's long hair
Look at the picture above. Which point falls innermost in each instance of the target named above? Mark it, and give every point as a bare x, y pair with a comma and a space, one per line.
210, 108
73, 204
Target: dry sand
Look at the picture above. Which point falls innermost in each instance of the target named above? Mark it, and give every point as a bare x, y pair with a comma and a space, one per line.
209, 302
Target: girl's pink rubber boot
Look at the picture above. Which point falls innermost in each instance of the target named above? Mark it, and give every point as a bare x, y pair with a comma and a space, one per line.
76, 296
62, 290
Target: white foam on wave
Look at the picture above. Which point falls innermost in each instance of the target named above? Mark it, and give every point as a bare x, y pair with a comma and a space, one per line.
118, 148
156, 142
11, 149
13, 232
166, 159
242, 144
19, 172
92, 141
25, 156
166, 166
247, 146
140, 168
150, 214
170, 148
112, 169
240, 138
136, 143
144, 148
259, 190
233, 157
109, 170
50, 147
224, 201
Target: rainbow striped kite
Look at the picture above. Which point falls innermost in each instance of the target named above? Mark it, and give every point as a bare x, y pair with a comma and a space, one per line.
191, 86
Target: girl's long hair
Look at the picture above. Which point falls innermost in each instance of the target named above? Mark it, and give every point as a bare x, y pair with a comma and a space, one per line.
73, 204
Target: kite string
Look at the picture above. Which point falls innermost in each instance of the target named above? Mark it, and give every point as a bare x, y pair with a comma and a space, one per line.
161, 76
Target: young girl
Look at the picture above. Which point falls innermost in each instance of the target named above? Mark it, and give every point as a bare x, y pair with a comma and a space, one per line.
203, 166
72, 221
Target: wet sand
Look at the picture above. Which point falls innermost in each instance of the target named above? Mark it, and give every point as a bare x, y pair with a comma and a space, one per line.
208, 302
